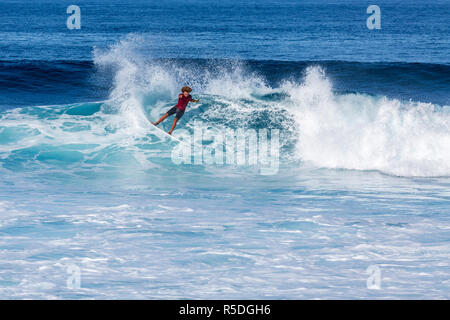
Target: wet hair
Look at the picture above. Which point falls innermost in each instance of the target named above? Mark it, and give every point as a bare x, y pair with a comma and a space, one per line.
186, 89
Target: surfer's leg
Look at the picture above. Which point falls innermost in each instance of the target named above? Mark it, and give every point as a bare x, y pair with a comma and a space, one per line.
174, 124
161, 120
177, 117
169, 113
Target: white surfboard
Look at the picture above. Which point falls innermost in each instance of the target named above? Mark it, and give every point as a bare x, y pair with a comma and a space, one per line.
169, 135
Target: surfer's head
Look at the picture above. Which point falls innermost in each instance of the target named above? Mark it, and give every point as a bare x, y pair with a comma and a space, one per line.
186, 90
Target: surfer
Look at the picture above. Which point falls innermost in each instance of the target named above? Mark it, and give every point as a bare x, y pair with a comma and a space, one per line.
183, 99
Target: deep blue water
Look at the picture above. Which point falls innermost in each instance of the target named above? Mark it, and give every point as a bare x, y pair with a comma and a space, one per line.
364, 149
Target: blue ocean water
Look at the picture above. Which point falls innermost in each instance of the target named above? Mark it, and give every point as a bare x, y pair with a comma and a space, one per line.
364, 157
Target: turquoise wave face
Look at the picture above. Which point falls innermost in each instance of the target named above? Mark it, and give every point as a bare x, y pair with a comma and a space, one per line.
91, 142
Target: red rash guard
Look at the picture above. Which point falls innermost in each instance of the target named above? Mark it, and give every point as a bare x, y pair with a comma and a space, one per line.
183, 101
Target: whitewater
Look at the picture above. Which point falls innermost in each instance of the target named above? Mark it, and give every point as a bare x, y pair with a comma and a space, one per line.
363, 181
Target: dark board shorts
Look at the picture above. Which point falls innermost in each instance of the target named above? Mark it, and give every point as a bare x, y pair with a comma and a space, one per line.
179, 113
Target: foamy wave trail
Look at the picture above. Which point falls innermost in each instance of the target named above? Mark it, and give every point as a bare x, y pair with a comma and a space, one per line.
320, 125
361, 132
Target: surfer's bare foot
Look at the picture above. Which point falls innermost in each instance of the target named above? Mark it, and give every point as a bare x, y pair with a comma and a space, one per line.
169, 132
155, 123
